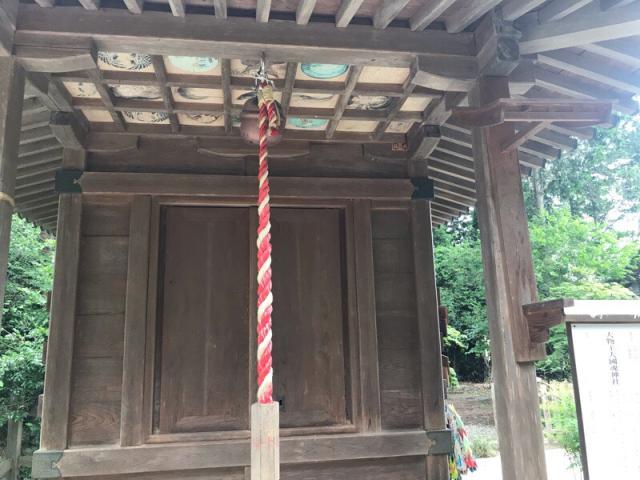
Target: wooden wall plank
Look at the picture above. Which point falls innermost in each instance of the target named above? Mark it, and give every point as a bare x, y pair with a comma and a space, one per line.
365, 293
57, 387
131, 426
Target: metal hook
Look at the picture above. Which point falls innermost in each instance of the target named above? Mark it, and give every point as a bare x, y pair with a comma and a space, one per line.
262, 75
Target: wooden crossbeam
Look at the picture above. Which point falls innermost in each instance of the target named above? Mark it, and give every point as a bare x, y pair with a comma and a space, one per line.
155, 33
387, 12
304, 11
343, 101
581, 28
107, 97
396, 105
167, 97
429, 13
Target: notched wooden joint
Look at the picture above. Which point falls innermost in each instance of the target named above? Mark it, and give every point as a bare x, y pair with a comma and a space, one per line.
45, 464
542, 316
423, 188
68, 180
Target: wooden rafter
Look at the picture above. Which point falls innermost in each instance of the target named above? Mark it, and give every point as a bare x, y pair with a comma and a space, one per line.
514, 9
466, 14
387, 12
134, 6
107, 97
429, 13
304, 11
178, 7
263, 9
581, 28
558, 9
287, 90
346, 12
624, 50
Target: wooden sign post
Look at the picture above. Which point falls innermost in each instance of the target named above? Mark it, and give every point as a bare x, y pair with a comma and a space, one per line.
265, 441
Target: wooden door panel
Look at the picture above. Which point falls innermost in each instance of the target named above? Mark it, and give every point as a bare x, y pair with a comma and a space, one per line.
309, 316
205, 322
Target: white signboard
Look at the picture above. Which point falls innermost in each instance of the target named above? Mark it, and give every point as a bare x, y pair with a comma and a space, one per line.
607, 362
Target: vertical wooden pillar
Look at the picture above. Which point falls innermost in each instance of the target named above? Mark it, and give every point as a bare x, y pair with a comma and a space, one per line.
510, 283
57, 380
428, 332
11, 95
14, 447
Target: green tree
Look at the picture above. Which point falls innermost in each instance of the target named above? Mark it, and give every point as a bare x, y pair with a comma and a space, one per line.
602, 175
24, 324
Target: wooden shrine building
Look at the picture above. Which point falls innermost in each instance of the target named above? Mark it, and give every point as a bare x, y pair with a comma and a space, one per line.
119, 132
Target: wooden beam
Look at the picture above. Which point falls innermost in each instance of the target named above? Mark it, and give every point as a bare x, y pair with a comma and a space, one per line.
156, 33
581, 28
514, 9
429, 13
220, 8
263, 9
348, 9
304, 11
57, 383
558, 9
387, 12
608, 4
466, 14
592, 68
46, 3
343, 101
541, 316
11, 94
177, 7
193, 456
510, 283
134, 6
242, 187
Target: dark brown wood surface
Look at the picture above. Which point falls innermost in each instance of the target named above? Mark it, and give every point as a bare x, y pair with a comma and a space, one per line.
204, 320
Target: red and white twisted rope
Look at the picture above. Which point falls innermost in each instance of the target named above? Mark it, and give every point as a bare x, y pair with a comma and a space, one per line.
267, 120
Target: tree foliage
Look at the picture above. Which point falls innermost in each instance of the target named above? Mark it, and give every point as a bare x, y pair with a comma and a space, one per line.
576, 252
24, 323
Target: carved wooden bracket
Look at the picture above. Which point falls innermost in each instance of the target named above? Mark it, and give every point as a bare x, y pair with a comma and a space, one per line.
541, 316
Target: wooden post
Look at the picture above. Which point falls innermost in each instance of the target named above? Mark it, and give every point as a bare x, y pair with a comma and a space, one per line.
11, 94
14, 448
57, 380
428, 332
265, 441
510, 283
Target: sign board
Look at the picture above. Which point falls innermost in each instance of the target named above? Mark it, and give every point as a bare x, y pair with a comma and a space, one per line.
606, 362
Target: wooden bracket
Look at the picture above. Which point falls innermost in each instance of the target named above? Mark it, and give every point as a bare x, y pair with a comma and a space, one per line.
68, 129
67, 180
541, 316
424, 188
572, 112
